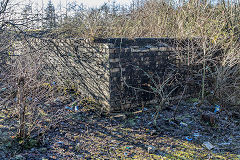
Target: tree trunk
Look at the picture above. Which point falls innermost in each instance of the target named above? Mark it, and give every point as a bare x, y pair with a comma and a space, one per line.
21, 103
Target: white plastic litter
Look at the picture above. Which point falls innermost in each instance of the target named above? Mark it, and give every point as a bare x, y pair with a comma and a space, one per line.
208, 145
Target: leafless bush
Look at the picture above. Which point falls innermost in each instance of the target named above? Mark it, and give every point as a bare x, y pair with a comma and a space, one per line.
24, 83
217, 25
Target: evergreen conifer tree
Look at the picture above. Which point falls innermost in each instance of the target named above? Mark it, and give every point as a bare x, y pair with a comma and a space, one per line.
50, 19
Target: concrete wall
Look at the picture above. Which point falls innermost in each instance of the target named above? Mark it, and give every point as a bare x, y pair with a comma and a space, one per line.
148, 70
124, 73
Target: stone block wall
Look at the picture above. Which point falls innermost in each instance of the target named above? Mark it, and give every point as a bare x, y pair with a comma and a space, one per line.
71, 63
123, 73
143, 70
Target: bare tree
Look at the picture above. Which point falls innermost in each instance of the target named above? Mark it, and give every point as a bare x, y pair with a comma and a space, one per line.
3, 6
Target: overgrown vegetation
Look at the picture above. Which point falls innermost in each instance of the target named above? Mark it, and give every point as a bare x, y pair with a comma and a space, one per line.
216, 23
38, 101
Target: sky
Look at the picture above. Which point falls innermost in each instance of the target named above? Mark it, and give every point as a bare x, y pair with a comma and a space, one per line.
87, 3
93, 3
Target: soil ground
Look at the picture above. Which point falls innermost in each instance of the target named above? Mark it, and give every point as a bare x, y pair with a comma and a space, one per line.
84, 134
